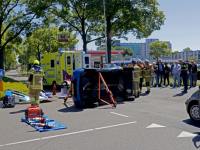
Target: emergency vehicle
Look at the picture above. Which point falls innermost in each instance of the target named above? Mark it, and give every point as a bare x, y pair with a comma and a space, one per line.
59, 66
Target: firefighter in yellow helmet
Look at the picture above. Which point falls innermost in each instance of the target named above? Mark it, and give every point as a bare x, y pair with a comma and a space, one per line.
35, 83
148, 73
136, 79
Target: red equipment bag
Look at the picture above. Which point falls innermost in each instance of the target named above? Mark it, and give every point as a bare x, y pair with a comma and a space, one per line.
33, 112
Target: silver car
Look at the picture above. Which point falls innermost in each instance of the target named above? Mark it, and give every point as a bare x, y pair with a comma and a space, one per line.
192, 106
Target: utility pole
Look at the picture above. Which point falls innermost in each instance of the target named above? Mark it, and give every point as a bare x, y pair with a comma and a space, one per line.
27, 60
49, 40
105, 31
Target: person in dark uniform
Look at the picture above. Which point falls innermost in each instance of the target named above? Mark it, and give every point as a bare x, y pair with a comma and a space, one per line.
184, 69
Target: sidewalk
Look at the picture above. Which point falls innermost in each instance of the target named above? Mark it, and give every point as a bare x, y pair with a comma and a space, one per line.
13, 74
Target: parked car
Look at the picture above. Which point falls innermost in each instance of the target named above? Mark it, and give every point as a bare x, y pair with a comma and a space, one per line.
192, 106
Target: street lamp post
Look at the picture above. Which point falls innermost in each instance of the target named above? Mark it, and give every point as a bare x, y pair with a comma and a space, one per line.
49, 40
105, 31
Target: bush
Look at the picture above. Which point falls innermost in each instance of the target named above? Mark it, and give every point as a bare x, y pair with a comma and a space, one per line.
1, 96
6, 79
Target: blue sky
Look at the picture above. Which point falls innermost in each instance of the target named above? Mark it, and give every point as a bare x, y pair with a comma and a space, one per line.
181, 27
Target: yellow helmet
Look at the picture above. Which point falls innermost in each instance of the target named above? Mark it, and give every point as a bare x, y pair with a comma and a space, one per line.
36, 62
129, 64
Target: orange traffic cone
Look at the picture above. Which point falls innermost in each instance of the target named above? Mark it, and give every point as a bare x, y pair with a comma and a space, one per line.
54, 89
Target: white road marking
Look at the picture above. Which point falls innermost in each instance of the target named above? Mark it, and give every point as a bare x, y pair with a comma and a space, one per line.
115, 125
21, 142
153, 125
187, 134
119, 114
59, 135
49, 137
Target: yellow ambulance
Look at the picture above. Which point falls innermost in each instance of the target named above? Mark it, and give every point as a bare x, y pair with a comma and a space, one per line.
59, 66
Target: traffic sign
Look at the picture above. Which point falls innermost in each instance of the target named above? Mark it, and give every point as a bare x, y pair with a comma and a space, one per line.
2, 73
62, 38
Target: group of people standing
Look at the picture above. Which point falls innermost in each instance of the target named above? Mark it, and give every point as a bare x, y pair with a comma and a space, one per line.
181, 71
141, 72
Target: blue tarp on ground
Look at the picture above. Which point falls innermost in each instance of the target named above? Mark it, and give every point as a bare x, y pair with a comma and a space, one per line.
41, 129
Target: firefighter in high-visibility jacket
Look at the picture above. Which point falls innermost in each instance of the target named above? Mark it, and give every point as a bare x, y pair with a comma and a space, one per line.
139, 64
136, 79
35, 83
148, 73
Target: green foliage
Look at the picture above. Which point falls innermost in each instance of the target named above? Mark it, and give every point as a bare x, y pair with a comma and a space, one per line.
158, 48
127, 50
19, 86
175, 53
186, 49
38, 43
10, 59
1, 96
16, 18
168, 52
193, 58
6, 79
80, 16
140, 18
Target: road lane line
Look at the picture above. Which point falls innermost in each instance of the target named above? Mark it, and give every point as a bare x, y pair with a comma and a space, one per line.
21, 142
119, 114
48, 137
60, 135
115, 125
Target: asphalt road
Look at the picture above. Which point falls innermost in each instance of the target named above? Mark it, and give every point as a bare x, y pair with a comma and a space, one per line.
158, 121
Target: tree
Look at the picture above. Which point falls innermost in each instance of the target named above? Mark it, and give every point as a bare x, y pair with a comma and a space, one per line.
158, 48
175, 53
38, 42
14, 22
186, 49
10, 59
78, 15
127, 50
193, 58
140, 18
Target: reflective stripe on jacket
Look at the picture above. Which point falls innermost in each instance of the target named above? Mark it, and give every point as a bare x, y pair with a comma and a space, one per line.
37, 81
148, 71
136, 73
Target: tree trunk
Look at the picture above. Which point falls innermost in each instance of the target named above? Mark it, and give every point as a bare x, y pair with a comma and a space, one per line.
38, 49
84, 37
108, 39
1, 57
84, 44
38, 55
